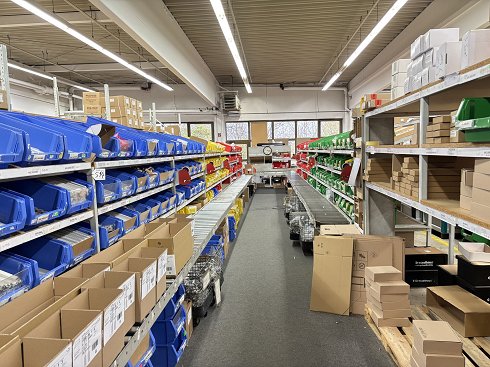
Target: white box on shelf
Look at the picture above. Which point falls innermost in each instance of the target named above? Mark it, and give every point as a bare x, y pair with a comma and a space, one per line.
417, 81
475, 47
475, 251
428, 75
398, 79
397, 92
417, 65
407, 85
436, 37
428, 58
416, 48
400, 66
448, 59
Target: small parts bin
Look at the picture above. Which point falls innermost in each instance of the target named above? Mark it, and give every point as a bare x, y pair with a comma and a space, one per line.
143, 210
166, 331
169, 355
79, 241
108, 190
173, 305
110, 230
11, 146
167, 174
43, 202
155, 206
142, 179
129, 182
79, 193
16, 277
128, 217
12, 213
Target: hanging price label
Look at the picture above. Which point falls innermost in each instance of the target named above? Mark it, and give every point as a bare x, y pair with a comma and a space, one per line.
98, 174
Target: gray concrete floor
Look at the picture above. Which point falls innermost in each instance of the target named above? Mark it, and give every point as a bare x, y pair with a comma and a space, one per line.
264, 319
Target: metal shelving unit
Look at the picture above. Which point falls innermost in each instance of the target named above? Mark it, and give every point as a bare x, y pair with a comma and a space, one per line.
329, 151
348, 198
327, 168
206, 222
439, 98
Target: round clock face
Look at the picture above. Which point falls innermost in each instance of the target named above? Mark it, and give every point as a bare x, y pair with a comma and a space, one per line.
267, 150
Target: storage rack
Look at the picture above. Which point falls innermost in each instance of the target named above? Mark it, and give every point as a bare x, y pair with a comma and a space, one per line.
440, 97
206, 222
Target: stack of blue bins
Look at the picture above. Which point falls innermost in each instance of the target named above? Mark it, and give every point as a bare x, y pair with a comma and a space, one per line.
111, 229
17, 277
232, 227
169, 332
215, 245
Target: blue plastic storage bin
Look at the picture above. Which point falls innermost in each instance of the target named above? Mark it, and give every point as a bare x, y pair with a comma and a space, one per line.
43, 202
108, 190
49, 257
143, 179
144, 361
40, 144
21, 279
80, 193
155, 205
167, 174
77, 144
111, 229
166, 331
109, 148
79, 240
12, 213
185, 190
173, 305
170, 354
11, 146
215, 244
124, 215
128, 182
144, 211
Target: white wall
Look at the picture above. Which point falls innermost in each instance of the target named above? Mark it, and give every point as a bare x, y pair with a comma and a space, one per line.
26, 100
463, 14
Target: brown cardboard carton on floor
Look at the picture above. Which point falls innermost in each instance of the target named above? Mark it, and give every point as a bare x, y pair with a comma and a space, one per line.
26, 312
110, 302
10, 351
466, 313
394, 287
436, 337
394, 322
80, 328
437, 360
386, 297
124, 281
390, 314
332, 273
383, 273
145, 271
402, 304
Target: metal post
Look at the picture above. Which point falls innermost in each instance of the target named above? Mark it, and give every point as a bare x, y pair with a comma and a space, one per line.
94, 221
423, 159
107, 102
71, 103
153, 115
452, 243
56, 96
4, 74
429, 230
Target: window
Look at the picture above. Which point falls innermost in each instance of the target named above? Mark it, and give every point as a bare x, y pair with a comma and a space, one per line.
329, 127
183, 130
244, 150
307, 129
269, 130
292, 145
284, 130
237, 131
203, 131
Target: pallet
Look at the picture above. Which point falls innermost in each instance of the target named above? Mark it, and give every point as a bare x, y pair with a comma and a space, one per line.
398, 340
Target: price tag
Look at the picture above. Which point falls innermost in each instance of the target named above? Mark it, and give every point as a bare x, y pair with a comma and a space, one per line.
98, 174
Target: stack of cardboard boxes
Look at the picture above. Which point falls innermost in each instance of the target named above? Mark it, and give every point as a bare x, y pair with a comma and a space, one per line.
378, 169
435, 344
480, 199
444, 177
388, 296
124, 110
398, 76
438, 131
455, 135
405, 176
407, 135
466, 189
374, 100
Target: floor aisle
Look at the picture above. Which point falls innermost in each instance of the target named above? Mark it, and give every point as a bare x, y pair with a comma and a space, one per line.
264, 319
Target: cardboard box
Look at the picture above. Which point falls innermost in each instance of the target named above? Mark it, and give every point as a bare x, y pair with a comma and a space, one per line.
383, 274
417, 47
390, 314
332, 269
124, 281
380, 321
437, 360
110, 302
145, 271
3, 100
475, 272
94, 110
82, 329
120, 101
467, 176
387, 297
466, 313
392, 287
480, 211
424, 258
456, 136
422, 278
482, 166
93, 99
338, 229
119, 111
398, 79
397, 305
189, 327
475, 47
436, 37
466, 190
400, 66
436, 337
447, 59
11, 351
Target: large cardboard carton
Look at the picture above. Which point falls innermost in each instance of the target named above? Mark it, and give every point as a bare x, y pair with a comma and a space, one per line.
390, 314
27, 311
3, 100
120, 101
436, 360
381, 321
403, 304
110, 302
480, 211
424, 258
392, 287
85, 271
475, 47
124, 281
375, 294
93, 99
143, 231
332, 272
116, 253
383, 274
436, 337
145, 271
10, 351
466, 313
79, 329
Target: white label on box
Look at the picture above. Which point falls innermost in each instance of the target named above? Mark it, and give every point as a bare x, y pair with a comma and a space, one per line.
88, 344
128, 289
217, 291
63, 359
113, 317
162, 266
171, 268
206, 280
98, 174
148, 279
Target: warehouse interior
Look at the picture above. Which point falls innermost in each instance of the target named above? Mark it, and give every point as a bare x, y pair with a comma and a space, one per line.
244, 183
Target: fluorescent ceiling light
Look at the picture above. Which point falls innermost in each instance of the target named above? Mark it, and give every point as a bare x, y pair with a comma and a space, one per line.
369, 38
14, 66
50, 18
225, 28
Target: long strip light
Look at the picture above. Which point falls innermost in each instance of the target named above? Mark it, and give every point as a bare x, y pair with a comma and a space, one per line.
50, 18
225, 28
369, 38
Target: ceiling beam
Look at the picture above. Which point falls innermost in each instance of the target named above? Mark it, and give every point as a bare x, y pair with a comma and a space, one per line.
152, 25
109, 66
30, 20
